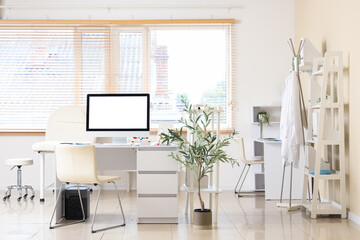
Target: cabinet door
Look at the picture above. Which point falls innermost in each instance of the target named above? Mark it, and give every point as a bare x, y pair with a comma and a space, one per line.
151, 207
157, 183
155, 161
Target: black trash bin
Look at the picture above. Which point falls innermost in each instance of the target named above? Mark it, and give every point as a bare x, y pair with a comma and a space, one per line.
72, 203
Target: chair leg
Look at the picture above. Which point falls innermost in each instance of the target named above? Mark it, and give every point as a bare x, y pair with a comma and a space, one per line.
243, 180
122, 210
57, 201
97, 203
240, 178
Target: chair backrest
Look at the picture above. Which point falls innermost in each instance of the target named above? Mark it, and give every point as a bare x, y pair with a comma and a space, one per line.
68, 124
240, 143
76, 163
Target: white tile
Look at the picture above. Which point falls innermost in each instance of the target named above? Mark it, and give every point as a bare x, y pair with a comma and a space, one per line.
239, 218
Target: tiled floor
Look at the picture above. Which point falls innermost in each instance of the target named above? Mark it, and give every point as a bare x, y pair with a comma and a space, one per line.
239, 218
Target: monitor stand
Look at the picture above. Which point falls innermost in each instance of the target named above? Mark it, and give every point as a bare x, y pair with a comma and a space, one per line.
120, 140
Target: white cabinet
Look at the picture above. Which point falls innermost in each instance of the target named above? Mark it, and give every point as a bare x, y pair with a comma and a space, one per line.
157, 187
269, 131
270, 149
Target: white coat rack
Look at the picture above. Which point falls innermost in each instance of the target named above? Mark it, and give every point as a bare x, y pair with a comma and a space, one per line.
295, 68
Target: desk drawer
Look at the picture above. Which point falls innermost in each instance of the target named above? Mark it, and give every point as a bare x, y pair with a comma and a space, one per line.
157, 183
157, 207
156, 161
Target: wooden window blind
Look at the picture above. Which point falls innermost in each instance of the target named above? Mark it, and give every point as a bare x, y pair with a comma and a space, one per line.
43, 67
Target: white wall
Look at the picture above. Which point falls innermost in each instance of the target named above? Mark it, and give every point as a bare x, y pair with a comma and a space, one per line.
262, 27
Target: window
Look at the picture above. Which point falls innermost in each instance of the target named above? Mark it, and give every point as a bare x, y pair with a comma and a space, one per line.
131, 62
43, 68
187, 62
36, 76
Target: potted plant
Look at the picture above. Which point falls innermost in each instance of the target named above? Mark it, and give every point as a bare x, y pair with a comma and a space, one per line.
263, 117
200, 154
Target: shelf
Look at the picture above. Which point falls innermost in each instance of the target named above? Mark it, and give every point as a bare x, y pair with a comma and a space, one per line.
326, 105
318, 73
330, 70
267, 106
267, 141
256, 123
210, 189
315, 107
274, 111
325, 142
259, 190
333, 176
327, 208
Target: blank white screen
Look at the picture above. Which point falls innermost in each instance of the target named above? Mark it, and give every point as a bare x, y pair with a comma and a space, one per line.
118, 112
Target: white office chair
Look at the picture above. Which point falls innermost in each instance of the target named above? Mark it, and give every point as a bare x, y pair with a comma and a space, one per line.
77, 164
66, 124
248, 163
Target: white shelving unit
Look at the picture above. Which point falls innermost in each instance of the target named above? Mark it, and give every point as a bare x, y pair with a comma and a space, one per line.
325, 137
212, 186
271, 131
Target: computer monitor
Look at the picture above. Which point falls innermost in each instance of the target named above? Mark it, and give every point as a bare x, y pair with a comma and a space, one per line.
118, 115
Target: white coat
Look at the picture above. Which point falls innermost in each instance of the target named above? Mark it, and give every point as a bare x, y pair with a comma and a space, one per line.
291, 132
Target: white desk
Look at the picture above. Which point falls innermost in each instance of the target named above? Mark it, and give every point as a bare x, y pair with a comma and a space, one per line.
157, 179
271, 150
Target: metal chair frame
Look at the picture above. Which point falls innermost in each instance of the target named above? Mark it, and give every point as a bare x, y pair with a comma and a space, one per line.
56, 225
243, 180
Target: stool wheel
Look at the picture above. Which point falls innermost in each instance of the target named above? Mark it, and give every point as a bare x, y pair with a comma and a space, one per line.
32, 197
25, 196
6, 197
19, 199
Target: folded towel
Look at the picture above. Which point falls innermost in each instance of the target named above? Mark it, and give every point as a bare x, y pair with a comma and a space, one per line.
322, 172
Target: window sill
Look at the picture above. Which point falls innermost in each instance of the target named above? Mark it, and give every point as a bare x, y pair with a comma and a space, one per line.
41, 132
15, 132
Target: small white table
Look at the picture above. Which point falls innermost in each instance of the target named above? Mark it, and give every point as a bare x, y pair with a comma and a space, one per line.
43, 148
271, 150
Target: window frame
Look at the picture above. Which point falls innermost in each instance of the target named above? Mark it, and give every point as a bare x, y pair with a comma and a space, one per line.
112, 61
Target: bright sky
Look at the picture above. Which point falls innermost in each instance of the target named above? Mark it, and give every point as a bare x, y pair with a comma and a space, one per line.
197, 59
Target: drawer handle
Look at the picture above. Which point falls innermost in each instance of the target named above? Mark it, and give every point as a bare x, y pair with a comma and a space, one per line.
157, 172
156, 195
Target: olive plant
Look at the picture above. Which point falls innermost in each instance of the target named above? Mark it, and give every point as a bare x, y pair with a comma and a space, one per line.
263, 117
200, 154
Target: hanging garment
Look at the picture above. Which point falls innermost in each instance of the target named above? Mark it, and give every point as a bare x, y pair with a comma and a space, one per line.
291, 134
